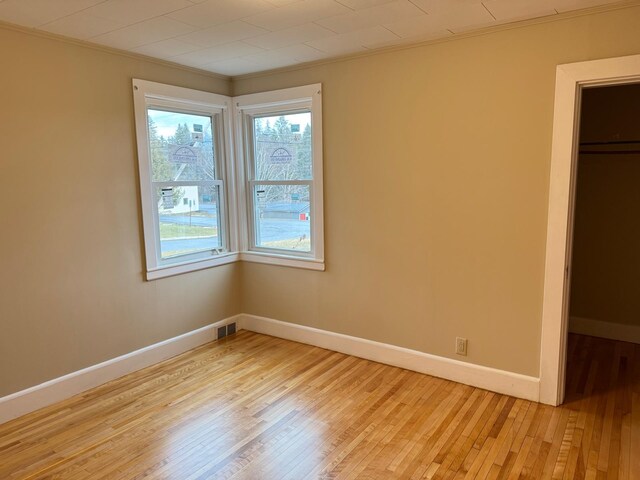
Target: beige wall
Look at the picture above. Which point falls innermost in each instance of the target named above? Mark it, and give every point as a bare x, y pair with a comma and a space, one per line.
436, 177
72, 292
436, 190
606, 259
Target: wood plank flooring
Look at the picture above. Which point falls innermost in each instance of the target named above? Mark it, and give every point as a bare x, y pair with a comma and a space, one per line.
258, 407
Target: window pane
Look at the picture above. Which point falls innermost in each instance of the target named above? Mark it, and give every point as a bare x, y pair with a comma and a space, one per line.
181, 146
282, 146
282, 217
189, 219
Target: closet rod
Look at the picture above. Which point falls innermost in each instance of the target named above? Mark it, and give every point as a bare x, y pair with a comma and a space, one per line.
613, 142
609, 152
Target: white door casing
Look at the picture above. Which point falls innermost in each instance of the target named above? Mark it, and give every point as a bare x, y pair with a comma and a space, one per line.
570, 80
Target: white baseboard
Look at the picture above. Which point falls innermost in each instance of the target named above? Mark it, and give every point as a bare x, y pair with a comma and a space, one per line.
47, 393
501, 381
598, 328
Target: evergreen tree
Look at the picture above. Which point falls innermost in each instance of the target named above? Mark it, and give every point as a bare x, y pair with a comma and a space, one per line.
282, 129
206, 162
161, 168
182, 135
304, 160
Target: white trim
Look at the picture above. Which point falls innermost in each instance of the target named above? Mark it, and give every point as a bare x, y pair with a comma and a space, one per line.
600, 328
282, 260
192, 266
277, 98
501, 381
61, 388
570, 79
307, 97
226, 258
234, 215
231, 172
151, 94
58, 389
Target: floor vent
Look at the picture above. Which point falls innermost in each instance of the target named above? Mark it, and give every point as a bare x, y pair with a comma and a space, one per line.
226, 330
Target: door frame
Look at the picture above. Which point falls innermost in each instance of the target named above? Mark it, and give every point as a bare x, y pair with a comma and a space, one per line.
571, 78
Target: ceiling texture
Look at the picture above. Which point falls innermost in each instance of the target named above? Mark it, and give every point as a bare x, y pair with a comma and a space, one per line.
235, 37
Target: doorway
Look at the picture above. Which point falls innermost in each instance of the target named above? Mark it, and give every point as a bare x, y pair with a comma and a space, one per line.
572, 80
604, 306
604, 300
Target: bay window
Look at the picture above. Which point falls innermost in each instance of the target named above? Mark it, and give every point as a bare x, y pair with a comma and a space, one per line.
202, 206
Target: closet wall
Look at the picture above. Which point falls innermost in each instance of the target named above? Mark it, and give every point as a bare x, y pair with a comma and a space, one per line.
606, 252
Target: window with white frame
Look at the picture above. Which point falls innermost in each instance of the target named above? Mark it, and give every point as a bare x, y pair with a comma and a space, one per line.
280, 136
200, 207
182, 152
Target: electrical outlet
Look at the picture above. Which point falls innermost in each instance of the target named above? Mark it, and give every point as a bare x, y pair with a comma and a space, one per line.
461, 346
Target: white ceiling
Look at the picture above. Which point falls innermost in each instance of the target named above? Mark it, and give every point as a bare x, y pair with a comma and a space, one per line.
234, 37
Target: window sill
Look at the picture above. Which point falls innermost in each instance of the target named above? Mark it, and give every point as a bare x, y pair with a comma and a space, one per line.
253, 257
191, 266
283, 260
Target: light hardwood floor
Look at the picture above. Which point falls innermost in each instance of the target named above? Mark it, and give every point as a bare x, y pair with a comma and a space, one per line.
257, 407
